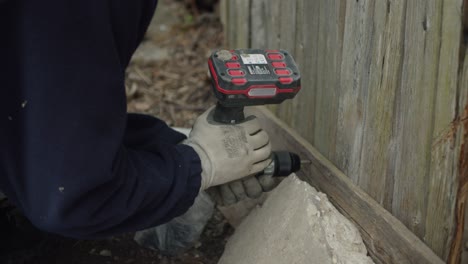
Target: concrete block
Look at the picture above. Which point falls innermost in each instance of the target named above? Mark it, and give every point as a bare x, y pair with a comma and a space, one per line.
295, 225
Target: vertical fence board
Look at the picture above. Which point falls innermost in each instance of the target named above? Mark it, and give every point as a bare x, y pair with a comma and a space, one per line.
296, 105
462, 197
329, 45
258, 21
223, 17
239, 14
354, 85
415, 111
378, 150
231, 18
464, 247
460, 241
443, 171
272, 23
305, 116
272, 26
287, 42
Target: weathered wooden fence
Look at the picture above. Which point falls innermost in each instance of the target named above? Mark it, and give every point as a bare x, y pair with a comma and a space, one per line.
385, 98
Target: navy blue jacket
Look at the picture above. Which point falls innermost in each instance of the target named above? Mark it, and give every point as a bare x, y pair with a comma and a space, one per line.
70, 156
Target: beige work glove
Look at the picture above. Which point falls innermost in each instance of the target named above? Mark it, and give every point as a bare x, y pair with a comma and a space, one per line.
251, 187
229, 152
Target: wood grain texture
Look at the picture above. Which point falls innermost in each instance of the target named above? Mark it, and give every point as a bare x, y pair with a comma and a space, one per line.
383, 93
305, 107
265, 27
445, 150
329, 40
378, 148
414, 115
464, 244
296, 105
238, 23
386, 238
354, 85
287, 41
460, 240
223, 14
258, 21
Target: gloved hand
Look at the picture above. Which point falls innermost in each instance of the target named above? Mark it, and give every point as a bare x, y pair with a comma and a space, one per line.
229, 152
179, 234
251, 187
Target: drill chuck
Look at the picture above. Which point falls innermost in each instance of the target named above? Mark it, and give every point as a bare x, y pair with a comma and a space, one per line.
283, 164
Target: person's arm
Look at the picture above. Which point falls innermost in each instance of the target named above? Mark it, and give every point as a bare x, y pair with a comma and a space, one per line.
71, 158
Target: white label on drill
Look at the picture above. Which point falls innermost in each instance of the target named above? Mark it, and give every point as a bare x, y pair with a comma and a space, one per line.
254, 59
258, 69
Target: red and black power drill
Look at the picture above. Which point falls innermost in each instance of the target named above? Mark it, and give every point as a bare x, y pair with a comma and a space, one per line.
247, 77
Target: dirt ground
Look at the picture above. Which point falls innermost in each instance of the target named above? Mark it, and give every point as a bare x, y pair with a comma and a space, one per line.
167, 78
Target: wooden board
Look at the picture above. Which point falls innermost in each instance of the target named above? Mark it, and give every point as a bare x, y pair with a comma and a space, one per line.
445, 144
464, 246
414, 114
387, 239
238, 23
382, 98
378, 148
459, 243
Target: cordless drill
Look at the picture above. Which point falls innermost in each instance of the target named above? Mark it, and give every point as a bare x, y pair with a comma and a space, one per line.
247, 77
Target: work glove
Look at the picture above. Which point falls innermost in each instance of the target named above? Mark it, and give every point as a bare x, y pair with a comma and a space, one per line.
229, 152
251, 187
179, 234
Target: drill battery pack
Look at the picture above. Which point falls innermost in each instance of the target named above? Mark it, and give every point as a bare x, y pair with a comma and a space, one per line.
245, 77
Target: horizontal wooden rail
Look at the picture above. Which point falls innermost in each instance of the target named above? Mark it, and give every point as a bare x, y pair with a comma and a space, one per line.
386, 238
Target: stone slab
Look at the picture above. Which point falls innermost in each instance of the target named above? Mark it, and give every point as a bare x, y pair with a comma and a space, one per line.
295, 225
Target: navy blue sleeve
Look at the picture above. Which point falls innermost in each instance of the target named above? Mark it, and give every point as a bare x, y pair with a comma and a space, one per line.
71, 157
